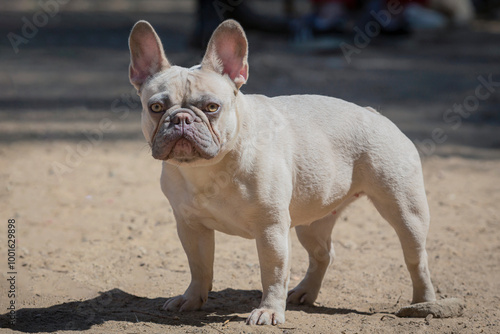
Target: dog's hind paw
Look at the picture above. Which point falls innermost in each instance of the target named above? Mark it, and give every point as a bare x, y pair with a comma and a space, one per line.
182, 303
302, 295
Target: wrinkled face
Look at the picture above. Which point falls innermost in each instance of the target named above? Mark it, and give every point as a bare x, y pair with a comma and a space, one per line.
188, 115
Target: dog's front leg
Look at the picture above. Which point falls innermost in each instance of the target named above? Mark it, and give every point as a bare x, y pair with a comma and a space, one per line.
273, 246
198, 243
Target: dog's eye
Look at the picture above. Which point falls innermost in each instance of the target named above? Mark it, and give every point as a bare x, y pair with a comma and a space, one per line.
212, 107
156, 107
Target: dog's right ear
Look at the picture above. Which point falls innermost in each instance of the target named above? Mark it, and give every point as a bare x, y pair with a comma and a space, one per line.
146, 54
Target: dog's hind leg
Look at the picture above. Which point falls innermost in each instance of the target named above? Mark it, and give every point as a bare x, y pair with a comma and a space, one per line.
405, 208
316, 239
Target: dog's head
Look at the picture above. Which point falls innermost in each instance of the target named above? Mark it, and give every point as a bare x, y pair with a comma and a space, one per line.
189, 115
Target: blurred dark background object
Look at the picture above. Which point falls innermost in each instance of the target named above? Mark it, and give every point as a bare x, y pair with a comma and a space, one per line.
211, 13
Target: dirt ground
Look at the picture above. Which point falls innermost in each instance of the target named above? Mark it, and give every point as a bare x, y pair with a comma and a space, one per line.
96, 245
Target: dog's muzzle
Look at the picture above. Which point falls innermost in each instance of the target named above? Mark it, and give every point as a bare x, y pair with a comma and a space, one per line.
183, 135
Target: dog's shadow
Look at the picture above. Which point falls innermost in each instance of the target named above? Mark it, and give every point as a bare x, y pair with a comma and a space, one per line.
117, 305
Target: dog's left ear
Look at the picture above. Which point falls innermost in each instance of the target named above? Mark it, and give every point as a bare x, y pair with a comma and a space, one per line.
146, 54
227, 52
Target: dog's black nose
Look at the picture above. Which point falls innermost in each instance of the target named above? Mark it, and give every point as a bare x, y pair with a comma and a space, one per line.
182, 118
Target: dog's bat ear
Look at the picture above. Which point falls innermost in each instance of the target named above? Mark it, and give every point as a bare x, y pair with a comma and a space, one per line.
146, 54
227, 52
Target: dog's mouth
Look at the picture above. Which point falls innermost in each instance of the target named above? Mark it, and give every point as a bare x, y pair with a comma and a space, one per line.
184, 143
183, 150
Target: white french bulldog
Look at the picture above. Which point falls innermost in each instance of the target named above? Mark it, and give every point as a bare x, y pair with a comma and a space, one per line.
255, 166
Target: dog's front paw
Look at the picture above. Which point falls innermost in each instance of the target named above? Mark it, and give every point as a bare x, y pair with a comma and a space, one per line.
263, 316
302, 295
183, 303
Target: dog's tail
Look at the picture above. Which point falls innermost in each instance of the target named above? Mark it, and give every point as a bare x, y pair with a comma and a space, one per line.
372, 110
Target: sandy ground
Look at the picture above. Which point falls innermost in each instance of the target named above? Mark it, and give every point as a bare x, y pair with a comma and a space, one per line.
97, 250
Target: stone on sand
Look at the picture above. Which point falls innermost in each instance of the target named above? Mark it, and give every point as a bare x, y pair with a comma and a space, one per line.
444, 308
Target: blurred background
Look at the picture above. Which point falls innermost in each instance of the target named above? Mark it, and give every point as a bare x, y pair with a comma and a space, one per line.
64, 63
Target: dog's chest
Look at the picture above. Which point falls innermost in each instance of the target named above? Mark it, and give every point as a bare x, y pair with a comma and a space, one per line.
220, 203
